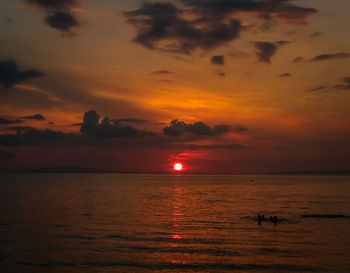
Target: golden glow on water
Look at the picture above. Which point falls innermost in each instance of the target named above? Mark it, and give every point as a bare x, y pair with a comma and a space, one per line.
177, 217
167, 223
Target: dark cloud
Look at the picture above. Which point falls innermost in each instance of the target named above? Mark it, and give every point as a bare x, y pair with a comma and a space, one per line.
315, 34
298, 59
90, 120
285, 75
20, 128
108, 128
204, 24
264, 9
219, 130
267, 49
325, 57
213, 147
90, 129
345, 85
222, 74
160, 22
59, 13
11, 75
219, 60
318, 88
36, 117
179, 128
162, 72
33, 137
176, 128
240, 128
5, 121
131, 120
111, 133
61, 20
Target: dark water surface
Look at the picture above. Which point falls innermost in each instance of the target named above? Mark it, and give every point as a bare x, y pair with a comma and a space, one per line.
163, 223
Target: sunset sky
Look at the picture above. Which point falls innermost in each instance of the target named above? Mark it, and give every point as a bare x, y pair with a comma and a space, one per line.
223, 86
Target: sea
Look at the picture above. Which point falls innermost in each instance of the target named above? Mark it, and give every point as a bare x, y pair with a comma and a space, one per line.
104, 223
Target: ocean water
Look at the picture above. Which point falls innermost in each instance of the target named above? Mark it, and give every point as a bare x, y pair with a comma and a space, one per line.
99, 223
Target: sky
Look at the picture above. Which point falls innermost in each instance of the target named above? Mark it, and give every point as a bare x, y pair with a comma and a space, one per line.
222, 86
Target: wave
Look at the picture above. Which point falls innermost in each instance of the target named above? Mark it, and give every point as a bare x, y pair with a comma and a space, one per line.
146, 239
144, 249
206, 251
81, 237
280, 252
175, 266
328, 216
168, 240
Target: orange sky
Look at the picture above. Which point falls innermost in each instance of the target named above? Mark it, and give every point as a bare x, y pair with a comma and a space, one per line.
276, 76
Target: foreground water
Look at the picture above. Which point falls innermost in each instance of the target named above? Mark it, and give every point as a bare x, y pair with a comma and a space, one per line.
164, 223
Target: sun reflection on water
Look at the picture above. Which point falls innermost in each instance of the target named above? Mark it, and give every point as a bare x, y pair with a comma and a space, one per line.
177, 215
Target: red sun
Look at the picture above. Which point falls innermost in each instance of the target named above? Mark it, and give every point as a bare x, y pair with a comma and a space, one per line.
177, 167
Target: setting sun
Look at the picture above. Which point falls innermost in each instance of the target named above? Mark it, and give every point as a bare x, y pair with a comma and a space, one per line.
177, 166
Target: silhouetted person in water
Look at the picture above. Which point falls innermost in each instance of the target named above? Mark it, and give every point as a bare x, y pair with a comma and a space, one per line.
273, 219
259, 219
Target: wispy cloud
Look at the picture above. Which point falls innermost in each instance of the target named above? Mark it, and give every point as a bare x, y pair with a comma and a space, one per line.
345, 85
325, 57
285, 75
161, 72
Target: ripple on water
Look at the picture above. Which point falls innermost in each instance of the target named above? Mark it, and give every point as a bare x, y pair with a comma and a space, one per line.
174, 265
